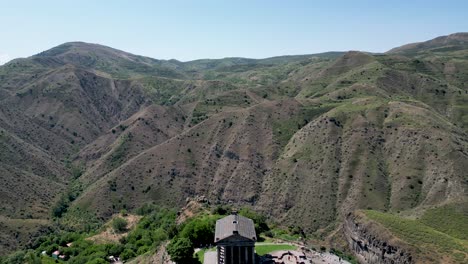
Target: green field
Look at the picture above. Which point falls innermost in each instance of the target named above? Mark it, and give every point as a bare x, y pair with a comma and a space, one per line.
260, 248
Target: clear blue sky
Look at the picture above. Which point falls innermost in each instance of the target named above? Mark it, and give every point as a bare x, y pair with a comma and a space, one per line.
188, 30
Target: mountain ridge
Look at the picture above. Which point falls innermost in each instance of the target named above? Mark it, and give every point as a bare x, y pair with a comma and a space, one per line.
454, 40
304, 139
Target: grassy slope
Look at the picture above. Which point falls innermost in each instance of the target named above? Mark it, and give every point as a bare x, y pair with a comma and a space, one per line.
426, 239
450, 219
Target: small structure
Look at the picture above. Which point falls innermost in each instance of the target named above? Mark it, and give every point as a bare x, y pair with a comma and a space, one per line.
114, 260
235, 240
55, 254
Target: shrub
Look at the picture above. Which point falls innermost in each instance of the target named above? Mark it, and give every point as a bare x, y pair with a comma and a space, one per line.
268, 233
180, 250
143, 249
119, 224
127, 254
200, 231
17, 257
259, 220
146, 209
221, 210
98, 261
60, 207
115, 250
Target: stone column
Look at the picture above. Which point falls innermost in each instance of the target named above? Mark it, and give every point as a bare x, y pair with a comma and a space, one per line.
235, 258
232, 254
227, 255
247, 255
221, 254
253, 254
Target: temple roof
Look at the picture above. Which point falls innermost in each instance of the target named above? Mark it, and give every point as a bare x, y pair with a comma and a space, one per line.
235, 225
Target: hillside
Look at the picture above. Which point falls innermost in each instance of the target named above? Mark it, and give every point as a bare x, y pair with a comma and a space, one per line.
450, 43
438, 236
305, 139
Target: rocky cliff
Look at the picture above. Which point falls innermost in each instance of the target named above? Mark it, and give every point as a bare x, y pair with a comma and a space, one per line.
371, 245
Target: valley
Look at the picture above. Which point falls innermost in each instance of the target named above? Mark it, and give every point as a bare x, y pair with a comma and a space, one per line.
355, 151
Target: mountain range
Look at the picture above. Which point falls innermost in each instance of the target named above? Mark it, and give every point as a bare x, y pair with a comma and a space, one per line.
313, 141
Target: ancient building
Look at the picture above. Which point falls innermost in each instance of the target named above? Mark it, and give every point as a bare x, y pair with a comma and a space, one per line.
235, 240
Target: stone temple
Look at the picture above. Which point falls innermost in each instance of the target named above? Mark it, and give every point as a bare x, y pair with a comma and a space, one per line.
235, 240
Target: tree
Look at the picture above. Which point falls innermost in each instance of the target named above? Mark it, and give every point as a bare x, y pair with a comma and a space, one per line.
60, 207
32, 258
180, 250
221, 210
259, 220
16, 258
119, 224
98, 261
115, 249
200, 231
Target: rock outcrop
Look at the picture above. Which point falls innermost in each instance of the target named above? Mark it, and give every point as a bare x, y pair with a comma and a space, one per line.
371, 245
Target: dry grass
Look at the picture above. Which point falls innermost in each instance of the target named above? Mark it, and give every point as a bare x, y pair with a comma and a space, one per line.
109, 235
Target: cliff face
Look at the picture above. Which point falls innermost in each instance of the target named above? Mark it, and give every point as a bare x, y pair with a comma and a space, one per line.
371, 246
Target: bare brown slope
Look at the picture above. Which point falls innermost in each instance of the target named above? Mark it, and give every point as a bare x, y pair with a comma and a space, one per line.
17, 233
352, 142
33, 131
32, 179
367, 154
347, 62
115, 62
43, 122
225, 158
78, 105
452, 41
351, 68
438, 83
147, 128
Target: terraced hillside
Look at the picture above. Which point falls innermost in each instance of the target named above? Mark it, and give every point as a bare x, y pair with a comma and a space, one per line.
88, 130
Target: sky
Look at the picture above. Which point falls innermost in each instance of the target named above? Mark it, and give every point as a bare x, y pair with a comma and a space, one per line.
188, 30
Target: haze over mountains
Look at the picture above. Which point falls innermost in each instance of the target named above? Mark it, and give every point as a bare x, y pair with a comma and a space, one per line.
304, 139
